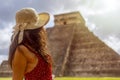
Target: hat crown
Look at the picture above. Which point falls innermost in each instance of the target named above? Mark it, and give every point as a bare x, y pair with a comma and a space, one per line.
27, 15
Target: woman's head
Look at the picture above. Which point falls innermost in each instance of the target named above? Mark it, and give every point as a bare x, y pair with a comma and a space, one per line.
28, 19
30, 33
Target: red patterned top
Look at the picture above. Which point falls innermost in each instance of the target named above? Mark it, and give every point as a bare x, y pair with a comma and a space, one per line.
42, 71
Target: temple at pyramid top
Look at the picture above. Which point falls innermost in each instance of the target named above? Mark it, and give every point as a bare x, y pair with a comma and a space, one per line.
68, 18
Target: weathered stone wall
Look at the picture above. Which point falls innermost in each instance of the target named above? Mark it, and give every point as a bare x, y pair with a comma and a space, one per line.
89, 56
5, 70
59, 37
69, 18
85, 54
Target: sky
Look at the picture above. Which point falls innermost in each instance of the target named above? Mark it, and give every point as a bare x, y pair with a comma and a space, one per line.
101, 16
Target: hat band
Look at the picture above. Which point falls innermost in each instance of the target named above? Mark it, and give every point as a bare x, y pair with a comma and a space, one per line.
19, 27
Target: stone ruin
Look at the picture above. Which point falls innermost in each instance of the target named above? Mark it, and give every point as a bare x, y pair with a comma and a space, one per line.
5, 70
76, 51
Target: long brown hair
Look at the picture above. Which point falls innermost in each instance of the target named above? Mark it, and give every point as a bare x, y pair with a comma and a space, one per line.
36, 40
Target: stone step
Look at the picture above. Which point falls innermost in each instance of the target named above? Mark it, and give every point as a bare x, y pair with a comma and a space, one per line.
90, 67
83, 34
93, 73
91, 49
96, 63
93, 56
60, 37
87, 45
93, 53
80, 39
60, 31
67, 25
95, 70
80, 27
85, 59
85, 39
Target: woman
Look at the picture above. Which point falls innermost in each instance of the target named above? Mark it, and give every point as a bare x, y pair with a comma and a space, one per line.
28, 56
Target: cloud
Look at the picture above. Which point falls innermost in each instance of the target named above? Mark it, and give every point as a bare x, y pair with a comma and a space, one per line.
4, 51
102, 16
114, 42
5, 36
3, 57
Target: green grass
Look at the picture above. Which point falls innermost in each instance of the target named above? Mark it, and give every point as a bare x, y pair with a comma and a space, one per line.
5, 79
101, 78
74, 78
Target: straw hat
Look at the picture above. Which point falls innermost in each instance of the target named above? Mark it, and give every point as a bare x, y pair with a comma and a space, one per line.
28, 19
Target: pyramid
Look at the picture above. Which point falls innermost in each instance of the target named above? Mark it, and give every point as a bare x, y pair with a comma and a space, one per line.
77, 51
5, 70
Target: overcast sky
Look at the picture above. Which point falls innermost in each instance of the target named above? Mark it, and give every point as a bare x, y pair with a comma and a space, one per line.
102, 17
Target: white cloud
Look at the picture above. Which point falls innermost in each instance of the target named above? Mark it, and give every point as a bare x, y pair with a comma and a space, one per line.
99, 7
92, 27
51, 22
3, 57
5, 35
102, 16
113, 42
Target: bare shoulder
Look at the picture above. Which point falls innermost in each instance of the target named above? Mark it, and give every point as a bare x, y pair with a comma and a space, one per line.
26, 52
19, 53
19, 58
22, 48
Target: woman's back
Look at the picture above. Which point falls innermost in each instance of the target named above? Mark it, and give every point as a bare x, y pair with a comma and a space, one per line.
36, 67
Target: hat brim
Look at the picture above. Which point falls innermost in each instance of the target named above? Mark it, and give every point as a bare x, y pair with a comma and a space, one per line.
43, 19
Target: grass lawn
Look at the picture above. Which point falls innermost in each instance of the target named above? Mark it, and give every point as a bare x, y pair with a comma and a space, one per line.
101, 78
72, 78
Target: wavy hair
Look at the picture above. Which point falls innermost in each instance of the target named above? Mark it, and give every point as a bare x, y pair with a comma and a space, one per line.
35, 40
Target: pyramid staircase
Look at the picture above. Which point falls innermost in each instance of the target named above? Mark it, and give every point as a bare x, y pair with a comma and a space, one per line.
58, 41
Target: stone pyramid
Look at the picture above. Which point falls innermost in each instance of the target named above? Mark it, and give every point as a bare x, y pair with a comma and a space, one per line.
78, 52
5, 70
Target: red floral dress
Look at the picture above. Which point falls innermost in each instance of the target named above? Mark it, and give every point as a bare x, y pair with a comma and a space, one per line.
42, 71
